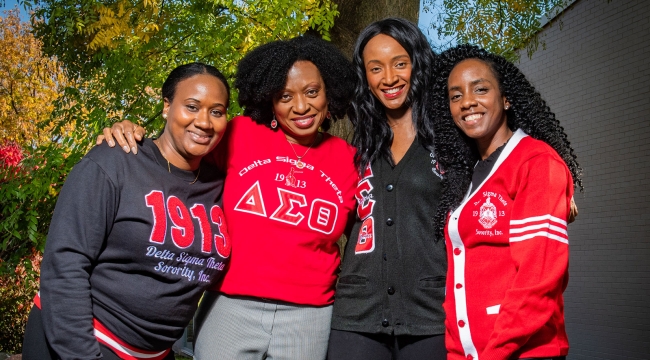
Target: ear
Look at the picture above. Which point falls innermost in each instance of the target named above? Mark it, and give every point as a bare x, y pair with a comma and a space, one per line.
506, 103
165, 108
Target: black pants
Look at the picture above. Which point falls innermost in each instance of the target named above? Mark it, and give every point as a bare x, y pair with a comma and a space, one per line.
36, 347
347, 345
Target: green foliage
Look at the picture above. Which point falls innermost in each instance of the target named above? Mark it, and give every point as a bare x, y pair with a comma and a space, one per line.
500, 26
17, 291
28, 195
121, 51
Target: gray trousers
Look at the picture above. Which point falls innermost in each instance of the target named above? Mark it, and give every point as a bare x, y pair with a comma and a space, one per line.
233, 328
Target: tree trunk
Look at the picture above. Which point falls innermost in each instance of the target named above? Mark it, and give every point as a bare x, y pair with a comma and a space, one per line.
357, 14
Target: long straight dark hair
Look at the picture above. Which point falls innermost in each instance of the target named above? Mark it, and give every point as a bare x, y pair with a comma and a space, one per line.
373, 136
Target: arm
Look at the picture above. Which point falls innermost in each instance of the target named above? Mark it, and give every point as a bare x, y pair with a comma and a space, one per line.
540, 251
83, 216
125, 133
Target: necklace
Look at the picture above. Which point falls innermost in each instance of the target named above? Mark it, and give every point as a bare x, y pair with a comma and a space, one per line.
169, 167
299, 163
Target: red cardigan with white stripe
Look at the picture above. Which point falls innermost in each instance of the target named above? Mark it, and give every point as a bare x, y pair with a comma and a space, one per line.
508, 258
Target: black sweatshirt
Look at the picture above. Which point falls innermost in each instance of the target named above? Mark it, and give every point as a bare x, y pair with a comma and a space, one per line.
397, 285
132, 244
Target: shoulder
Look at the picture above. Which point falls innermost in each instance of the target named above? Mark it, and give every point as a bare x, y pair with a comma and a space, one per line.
105, 156
539, 160
532, 149
339, 145
244, 122
243, 126
113, 160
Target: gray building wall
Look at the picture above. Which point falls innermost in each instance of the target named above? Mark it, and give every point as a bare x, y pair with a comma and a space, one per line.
595, 76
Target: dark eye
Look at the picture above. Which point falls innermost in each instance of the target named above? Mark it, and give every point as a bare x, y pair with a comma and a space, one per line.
285, 97
312, 92
454, 97
192, 107
217, 113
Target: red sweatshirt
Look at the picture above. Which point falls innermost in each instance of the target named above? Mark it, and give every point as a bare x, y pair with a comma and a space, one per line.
283, 220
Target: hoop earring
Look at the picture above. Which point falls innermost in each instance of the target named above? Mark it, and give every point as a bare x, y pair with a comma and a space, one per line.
274, 123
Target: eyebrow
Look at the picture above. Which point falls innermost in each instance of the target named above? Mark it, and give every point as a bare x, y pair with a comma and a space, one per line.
199, 101
474, 82
393, 59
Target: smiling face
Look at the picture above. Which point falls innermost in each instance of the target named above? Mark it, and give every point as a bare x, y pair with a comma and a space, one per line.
388, 71
477, 105
196, 119
301, 107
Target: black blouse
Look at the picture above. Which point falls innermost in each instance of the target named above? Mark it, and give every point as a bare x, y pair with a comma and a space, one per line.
392, 277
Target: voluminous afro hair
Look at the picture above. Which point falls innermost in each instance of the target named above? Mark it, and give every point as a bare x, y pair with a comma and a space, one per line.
262, 74
528, 111
372, 135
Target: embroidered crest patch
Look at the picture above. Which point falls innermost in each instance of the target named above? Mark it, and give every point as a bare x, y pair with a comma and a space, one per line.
488, 214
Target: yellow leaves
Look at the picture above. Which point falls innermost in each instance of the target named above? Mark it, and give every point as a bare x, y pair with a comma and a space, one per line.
29, 84
116, 21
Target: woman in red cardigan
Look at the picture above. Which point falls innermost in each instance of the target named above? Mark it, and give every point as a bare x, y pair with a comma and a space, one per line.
510, 174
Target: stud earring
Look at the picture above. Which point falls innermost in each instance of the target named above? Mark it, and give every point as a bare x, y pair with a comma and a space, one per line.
329, 115
164, 116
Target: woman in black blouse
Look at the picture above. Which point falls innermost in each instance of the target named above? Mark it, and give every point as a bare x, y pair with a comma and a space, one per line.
391, 287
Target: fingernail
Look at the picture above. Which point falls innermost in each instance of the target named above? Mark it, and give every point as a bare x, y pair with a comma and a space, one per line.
134, 149
126, 148
111, 143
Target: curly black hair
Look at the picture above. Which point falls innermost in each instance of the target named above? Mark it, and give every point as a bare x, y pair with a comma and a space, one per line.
262, 74
373, 136
458, 154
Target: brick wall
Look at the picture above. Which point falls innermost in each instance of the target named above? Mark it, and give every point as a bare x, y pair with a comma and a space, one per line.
595, 76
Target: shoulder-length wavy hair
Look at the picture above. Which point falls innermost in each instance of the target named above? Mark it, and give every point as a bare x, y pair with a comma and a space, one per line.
372, 136
262, 74
528, 111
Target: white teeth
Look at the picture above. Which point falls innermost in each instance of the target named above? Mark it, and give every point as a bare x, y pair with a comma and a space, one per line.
393, 90
303, 121
473, 117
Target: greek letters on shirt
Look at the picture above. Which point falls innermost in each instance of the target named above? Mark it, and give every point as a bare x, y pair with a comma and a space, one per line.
435, 166
490, 212
365, 205
294, 206
185, 263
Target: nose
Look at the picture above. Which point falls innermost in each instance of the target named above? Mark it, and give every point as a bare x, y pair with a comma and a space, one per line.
468, 101
301, 105
202, 120
391, 77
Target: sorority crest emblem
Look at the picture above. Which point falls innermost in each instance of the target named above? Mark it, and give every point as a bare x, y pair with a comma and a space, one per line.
488, 214
290, 179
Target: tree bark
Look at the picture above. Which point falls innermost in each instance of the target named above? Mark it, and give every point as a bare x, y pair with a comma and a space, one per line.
354, 16
357, 14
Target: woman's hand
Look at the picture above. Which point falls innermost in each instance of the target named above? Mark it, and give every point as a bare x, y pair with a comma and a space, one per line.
574, 211
125, 133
